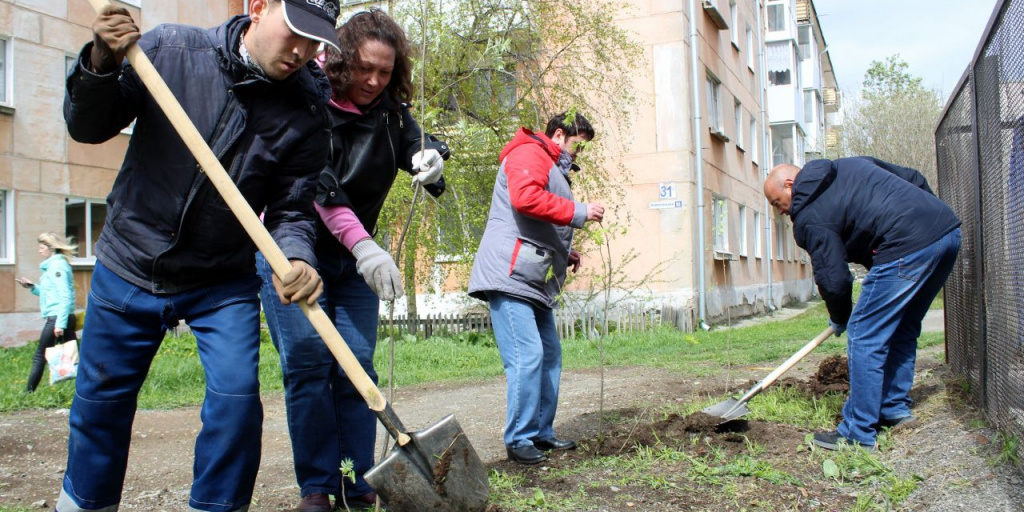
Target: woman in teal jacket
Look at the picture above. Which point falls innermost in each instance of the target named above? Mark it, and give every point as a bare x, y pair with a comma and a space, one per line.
56, 291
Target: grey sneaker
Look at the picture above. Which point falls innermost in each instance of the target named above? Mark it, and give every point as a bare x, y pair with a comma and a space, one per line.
834, 441
895, 422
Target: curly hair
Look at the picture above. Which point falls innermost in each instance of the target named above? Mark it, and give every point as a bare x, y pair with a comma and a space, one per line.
372, 25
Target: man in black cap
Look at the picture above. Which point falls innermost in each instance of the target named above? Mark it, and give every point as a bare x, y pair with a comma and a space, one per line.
170, 248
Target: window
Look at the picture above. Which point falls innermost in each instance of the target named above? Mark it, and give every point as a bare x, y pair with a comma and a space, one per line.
809, 107
738, 118
743, 231
757, 234
778, 238
6, 227
754, 136
734, 25
138, 3
714, 105
7, 72
776, 17
84, 221
780, 63
804, 39
720, 228
782, 145
751, 53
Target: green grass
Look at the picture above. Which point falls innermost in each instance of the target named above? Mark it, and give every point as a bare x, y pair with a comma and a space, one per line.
176, 376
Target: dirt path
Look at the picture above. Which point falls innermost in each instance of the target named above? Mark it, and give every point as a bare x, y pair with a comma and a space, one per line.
33, 443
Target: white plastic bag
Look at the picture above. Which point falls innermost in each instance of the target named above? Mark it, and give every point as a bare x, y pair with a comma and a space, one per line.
63, 361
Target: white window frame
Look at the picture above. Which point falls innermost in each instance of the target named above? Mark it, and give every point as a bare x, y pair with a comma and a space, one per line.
737, 113
85, 254
720, 223
742, 222
754, 136
7, 101
734, 25
7, 210
751, 53
714, 103
757, 235
138, 3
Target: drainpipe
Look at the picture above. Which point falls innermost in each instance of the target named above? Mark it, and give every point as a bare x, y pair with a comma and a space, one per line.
698, 150
766, 153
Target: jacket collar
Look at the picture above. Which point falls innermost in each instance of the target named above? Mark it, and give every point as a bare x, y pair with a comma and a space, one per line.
813, 179
226, 38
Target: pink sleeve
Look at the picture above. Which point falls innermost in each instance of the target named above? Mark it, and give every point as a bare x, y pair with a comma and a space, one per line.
342, 222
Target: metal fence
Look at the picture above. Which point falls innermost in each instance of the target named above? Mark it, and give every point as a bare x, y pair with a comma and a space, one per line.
571, 322
980, 155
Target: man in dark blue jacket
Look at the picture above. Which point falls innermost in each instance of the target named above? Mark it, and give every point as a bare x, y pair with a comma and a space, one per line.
170, 248
885, 217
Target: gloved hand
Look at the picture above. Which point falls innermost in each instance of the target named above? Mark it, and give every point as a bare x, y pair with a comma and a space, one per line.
839, 329
300, 283
378, 269
114, 31
428, 164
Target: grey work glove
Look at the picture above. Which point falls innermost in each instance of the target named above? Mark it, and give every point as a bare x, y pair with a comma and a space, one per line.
429, 165
378, 269
838, 329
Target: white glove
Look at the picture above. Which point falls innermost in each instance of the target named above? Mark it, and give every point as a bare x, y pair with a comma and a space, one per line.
378, 269
429, 165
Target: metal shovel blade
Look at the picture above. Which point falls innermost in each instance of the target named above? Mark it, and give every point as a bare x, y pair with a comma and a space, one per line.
728, 410
437, 471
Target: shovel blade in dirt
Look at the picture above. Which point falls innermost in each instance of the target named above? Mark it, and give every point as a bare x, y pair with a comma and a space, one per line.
727, 410
733, 408
438, 470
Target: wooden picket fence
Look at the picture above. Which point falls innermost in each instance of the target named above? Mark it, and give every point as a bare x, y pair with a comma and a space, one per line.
571, 322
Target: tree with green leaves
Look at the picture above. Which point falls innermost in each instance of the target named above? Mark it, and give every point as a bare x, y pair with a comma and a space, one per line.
894, 118
487, 67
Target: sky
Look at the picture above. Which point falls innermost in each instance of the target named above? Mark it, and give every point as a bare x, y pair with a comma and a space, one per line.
937, 38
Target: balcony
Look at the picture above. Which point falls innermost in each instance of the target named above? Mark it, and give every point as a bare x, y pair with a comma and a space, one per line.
711, 9
830, 97
803, 11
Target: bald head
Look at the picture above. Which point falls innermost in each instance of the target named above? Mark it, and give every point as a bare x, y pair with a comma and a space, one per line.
778, 186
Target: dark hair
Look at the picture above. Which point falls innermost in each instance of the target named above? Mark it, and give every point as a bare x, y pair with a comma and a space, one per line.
570, 128
372, 25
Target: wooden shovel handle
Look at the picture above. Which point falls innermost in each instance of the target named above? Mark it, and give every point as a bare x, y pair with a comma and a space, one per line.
795, 358
247, 217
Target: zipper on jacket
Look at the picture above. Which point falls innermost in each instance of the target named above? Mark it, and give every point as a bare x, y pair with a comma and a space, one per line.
387, 129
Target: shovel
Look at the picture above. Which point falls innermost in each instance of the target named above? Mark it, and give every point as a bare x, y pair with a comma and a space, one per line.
437, 467
732, 408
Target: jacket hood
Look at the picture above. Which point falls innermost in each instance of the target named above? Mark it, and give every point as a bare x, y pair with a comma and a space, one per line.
813, 179
226, 38
526, 136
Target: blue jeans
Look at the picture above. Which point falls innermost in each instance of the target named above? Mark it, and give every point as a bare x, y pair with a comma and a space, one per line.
532, 356
883, 332
328, 420
123, 330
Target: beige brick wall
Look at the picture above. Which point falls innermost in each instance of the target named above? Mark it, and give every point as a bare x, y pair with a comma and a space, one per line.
39, 163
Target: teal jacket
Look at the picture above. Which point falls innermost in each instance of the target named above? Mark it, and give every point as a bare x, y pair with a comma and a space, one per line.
56, 290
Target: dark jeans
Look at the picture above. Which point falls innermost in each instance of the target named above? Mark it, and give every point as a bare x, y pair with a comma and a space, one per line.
328, 420
47, 340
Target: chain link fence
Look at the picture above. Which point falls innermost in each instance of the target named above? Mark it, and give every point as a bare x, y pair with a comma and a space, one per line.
980, 156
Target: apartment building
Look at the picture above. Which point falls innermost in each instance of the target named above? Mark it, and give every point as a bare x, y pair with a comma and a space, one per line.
49, 182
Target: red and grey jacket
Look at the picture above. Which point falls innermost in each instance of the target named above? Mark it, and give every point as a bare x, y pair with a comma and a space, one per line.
525, 247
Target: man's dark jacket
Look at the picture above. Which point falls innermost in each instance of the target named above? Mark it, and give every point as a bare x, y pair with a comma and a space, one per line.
866, 211
368, 150
167, 229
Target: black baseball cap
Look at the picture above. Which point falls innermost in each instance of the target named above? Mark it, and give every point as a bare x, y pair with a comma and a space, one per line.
315, 19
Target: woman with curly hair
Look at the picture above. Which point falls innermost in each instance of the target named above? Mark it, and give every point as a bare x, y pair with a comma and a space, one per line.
373, 136
56, 291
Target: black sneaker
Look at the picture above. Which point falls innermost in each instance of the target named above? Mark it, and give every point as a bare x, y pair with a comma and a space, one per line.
895, 422
554, 444
834, 441
528, 455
